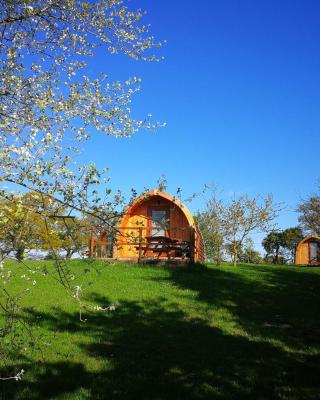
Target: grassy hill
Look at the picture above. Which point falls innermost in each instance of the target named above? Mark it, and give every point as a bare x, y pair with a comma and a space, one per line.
251, 332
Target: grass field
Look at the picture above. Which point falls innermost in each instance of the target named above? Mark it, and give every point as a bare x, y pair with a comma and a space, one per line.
251, 332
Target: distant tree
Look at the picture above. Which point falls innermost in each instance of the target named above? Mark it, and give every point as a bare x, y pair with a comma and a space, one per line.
282, 260
68, 235
234, 248
211, 223
272, 244
246, 215
290, 240
245, 252
249, 255
72, 236
309, 217
227, 226
22, 227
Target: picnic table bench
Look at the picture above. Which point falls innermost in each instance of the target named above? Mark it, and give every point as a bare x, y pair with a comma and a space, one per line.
164, 244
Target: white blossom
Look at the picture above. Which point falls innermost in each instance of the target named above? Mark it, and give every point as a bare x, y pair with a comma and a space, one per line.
49, 105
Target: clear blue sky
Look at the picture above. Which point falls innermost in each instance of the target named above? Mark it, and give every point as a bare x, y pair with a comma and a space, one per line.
239, 90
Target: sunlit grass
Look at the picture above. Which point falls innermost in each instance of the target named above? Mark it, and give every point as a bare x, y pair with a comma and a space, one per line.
246, 332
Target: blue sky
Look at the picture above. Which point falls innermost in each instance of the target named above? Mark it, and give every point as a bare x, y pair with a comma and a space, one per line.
239, 91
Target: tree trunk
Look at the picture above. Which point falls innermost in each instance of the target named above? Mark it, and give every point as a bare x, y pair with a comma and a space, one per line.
20, 253
235, 259
218, 258
276, 259
68, 254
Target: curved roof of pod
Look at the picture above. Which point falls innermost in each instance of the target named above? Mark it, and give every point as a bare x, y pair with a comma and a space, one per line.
156, 192
311, 237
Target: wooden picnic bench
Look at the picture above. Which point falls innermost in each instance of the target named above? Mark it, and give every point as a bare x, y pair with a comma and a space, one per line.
164, 244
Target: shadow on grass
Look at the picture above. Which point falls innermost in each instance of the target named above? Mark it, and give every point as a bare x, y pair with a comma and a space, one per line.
152, 350
260, 296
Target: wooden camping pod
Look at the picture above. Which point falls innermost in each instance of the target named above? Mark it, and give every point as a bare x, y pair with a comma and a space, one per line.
154, 216
308, 251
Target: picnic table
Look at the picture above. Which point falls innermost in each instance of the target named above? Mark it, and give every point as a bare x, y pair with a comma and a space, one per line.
164, 244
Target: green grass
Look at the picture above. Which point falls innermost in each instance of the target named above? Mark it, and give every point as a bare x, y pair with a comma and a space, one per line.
251, 332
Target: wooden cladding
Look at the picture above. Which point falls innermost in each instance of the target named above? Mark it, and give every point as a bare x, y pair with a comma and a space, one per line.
154, 214
308, 251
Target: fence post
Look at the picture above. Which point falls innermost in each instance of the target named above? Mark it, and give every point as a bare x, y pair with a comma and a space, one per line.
140, 241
